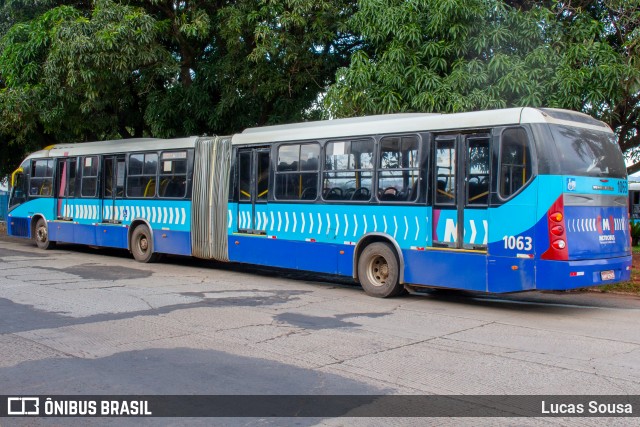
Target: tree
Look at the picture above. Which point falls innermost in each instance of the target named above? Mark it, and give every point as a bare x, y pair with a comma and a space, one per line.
77, 71
455, 55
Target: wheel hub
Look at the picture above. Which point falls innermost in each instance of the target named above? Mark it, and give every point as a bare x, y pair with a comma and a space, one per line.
379, 271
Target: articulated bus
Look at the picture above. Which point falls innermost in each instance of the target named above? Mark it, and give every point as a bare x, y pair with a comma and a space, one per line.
491, 201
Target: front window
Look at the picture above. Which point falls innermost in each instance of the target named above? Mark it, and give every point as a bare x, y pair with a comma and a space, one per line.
588, 152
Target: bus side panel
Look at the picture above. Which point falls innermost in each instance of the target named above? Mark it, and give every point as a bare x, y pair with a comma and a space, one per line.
61, 231
113, 236
446, 269
261, 250
578, 274
19, 218
510, 274
85, 234
172, 242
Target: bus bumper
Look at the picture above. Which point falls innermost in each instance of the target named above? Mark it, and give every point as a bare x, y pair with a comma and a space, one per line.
559, 275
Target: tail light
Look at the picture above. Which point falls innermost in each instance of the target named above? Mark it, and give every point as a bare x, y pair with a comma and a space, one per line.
557, 233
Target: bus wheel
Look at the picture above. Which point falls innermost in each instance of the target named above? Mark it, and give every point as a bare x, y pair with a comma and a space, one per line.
378, 271
42, 235
142, 245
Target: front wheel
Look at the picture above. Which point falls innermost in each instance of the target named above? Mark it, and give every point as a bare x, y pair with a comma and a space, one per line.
142, 245
41, 235
379, 271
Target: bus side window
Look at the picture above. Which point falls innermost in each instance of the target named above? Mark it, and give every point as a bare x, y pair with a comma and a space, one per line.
142, 180
41, 182
445, 191
297, 172
398, 169
348, 170
515, 161
173, 175
89, 179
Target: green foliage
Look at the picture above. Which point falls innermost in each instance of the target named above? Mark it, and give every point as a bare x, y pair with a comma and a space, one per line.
634, 227
75, 71
461, 55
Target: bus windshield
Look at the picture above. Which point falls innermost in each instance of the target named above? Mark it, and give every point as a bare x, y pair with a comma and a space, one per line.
588, 152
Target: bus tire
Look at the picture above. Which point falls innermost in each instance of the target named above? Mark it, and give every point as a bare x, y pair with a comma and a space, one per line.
379, 271
142, 245
41, 235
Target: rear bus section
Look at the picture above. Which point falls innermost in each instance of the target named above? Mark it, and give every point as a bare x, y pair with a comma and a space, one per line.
583, 238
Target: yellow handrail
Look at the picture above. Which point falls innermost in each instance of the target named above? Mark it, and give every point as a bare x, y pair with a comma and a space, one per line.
13, 176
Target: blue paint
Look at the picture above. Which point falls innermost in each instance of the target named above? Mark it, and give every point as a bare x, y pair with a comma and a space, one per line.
4, 205
322, 237
261, 250
556, 275
443, 269
172, 242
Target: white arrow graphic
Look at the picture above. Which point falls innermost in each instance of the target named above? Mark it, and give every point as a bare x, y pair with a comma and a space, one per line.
328, 223
346, 225
406, 224
355, 220
472, 223
486, 232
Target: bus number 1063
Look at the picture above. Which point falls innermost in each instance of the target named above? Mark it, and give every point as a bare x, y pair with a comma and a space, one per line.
520, 243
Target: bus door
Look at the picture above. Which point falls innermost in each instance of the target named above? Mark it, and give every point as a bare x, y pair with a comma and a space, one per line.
253, 182
112, 187
65, 188
461, 182
65, 184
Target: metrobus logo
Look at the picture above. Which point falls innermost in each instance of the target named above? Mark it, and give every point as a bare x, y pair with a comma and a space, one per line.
606, 225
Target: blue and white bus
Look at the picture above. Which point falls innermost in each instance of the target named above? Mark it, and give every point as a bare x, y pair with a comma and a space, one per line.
493, 201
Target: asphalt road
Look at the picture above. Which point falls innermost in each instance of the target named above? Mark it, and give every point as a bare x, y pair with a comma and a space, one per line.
78, 320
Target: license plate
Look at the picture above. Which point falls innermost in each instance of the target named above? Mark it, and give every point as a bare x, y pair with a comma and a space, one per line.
607, 275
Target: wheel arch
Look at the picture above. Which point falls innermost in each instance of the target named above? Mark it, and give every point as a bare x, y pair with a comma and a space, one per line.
373, 237
134, 224
34, 220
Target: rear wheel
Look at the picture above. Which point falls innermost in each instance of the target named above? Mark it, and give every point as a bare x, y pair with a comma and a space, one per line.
41, 235
142, 245
379, 271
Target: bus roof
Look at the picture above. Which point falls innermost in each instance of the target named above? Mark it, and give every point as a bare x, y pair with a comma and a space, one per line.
414, 122
339, 128
114, 146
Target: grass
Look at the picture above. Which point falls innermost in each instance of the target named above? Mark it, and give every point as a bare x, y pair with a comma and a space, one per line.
632, 286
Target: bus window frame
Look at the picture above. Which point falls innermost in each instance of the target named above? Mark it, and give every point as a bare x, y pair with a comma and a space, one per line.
373, 170
378, 169
50, 178
498, 168
159, 172
128, 174
274, 172
82, 160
